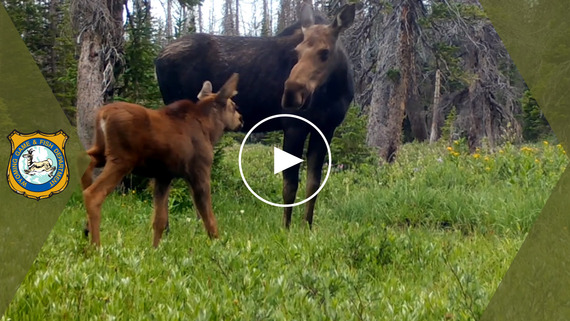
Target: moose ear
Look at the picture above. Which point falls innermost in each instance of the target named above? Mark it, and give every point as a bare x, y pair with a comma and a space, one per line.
228, 90
344, 18
206, 90
307, 17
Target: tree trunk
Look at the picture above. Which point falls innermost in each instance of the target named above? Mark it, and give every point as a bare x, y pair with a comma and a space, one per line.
237, 18
168, 20
90, 90
395, 90
265, 28
200, 22
100, 25
53, 34
437, 120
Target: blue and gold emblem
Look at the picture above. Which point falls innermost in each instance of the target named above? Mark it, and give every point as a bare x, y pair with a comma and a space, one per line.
38, 166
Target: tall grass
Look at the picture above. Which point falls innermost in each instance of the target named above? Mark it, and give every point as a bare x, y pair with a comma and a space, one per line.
426, 238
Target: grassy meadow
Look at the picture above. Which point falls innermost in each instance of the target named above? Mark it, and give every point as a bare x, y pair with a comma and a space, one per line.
426, 238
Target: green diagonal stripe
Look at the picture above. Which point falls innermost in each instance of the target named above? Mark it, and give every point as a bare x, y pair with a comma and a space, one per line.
26, 105
537, 35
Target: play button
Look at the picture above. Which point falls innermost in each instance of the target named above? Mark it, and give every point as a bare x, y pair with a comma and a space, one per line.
283, 160
260, 173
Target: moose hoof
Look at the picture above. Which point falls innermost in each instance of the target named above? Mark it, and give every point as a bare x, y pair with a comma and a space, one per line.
86, 229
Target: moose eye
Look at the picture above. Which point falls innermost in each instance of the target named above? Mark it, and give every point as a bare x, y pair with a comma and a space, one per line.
323, 54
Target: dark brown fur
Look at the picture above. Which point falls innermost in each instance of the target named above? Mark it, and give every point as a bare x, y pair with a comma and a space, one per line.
175, 141
284, 74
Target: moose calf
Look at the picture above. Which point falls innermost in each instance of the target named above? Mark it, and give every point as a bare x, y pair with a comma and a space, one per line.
176, 141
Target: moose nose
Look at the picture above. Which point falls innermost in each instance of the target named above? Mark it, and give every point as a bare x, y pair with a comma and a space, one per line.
293, 96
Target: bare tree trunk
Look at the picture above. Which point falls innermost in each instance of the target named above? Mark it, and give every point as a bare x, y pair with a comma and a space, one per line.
99, 24
211, 25
265, 28
437, 120
229, 19
200, 22
168, 20
395, 91
53, 33
90, 91
286, 15
237, 18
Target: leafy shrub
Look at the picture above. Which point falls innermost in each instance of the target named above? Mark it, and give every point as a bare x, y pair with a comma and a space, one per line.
535, 126
348, 146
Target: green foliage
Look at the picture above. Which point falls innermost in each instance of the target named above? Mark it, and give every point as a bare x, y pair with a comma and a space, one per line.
450, 10
138, 83
447, 131
393, 75
272, 138
535, 126
348, 146
455, 77
50, 39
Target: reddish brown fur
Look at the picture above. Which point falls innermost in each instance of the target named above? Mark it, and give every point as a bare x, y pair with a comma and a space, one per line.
175, 141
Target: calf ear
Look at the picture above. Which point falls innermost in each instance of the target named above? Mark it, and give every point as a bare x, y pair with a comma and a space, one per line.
228, 90
344, 18
206, 90
307, 17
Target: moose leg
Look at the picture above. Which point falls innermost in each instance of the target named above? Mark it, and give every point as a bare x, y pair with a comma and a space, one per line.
86, 181
293, 143
200, 184
315, 158
95, 194
161, 189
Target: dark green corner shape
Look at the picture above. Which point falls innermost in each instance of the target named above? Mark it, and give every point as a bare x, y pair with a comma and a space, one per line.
536, 34
26, 104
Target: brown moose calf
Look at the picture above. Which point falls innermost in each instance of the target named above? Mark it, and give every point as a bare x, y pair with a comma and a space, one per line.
176, 141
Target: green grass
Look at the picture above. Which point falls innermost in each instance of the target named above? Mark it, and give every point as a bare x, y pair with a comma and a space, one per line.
426, 238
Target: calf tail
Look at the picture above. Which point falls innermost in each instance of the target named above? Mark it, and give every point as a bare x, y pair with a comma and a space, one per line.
96, 153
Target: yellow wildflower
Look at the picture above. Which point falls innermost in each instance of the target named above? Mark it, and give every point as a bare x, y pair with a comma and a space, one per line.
455, 154
449, 148
476, 155
545, 142
456, 142
486, 158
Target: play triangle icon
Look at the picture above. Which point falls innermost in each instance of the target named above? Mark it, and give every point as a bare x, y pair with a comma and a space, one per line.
283, 160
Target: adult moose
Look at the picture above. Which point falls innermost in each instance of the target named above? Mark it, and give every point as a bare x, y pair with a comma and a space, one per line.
303, 71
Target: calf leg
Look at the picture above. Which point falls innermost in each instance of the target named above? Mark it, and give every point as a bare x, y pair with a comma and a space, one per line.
315, 158
95, 194
293, 143
161, 189
86, 181
200, 184
97, 160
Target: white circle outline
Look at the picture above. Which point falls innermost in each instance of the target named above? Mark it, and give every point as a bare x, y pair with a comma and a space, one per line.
243, 144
